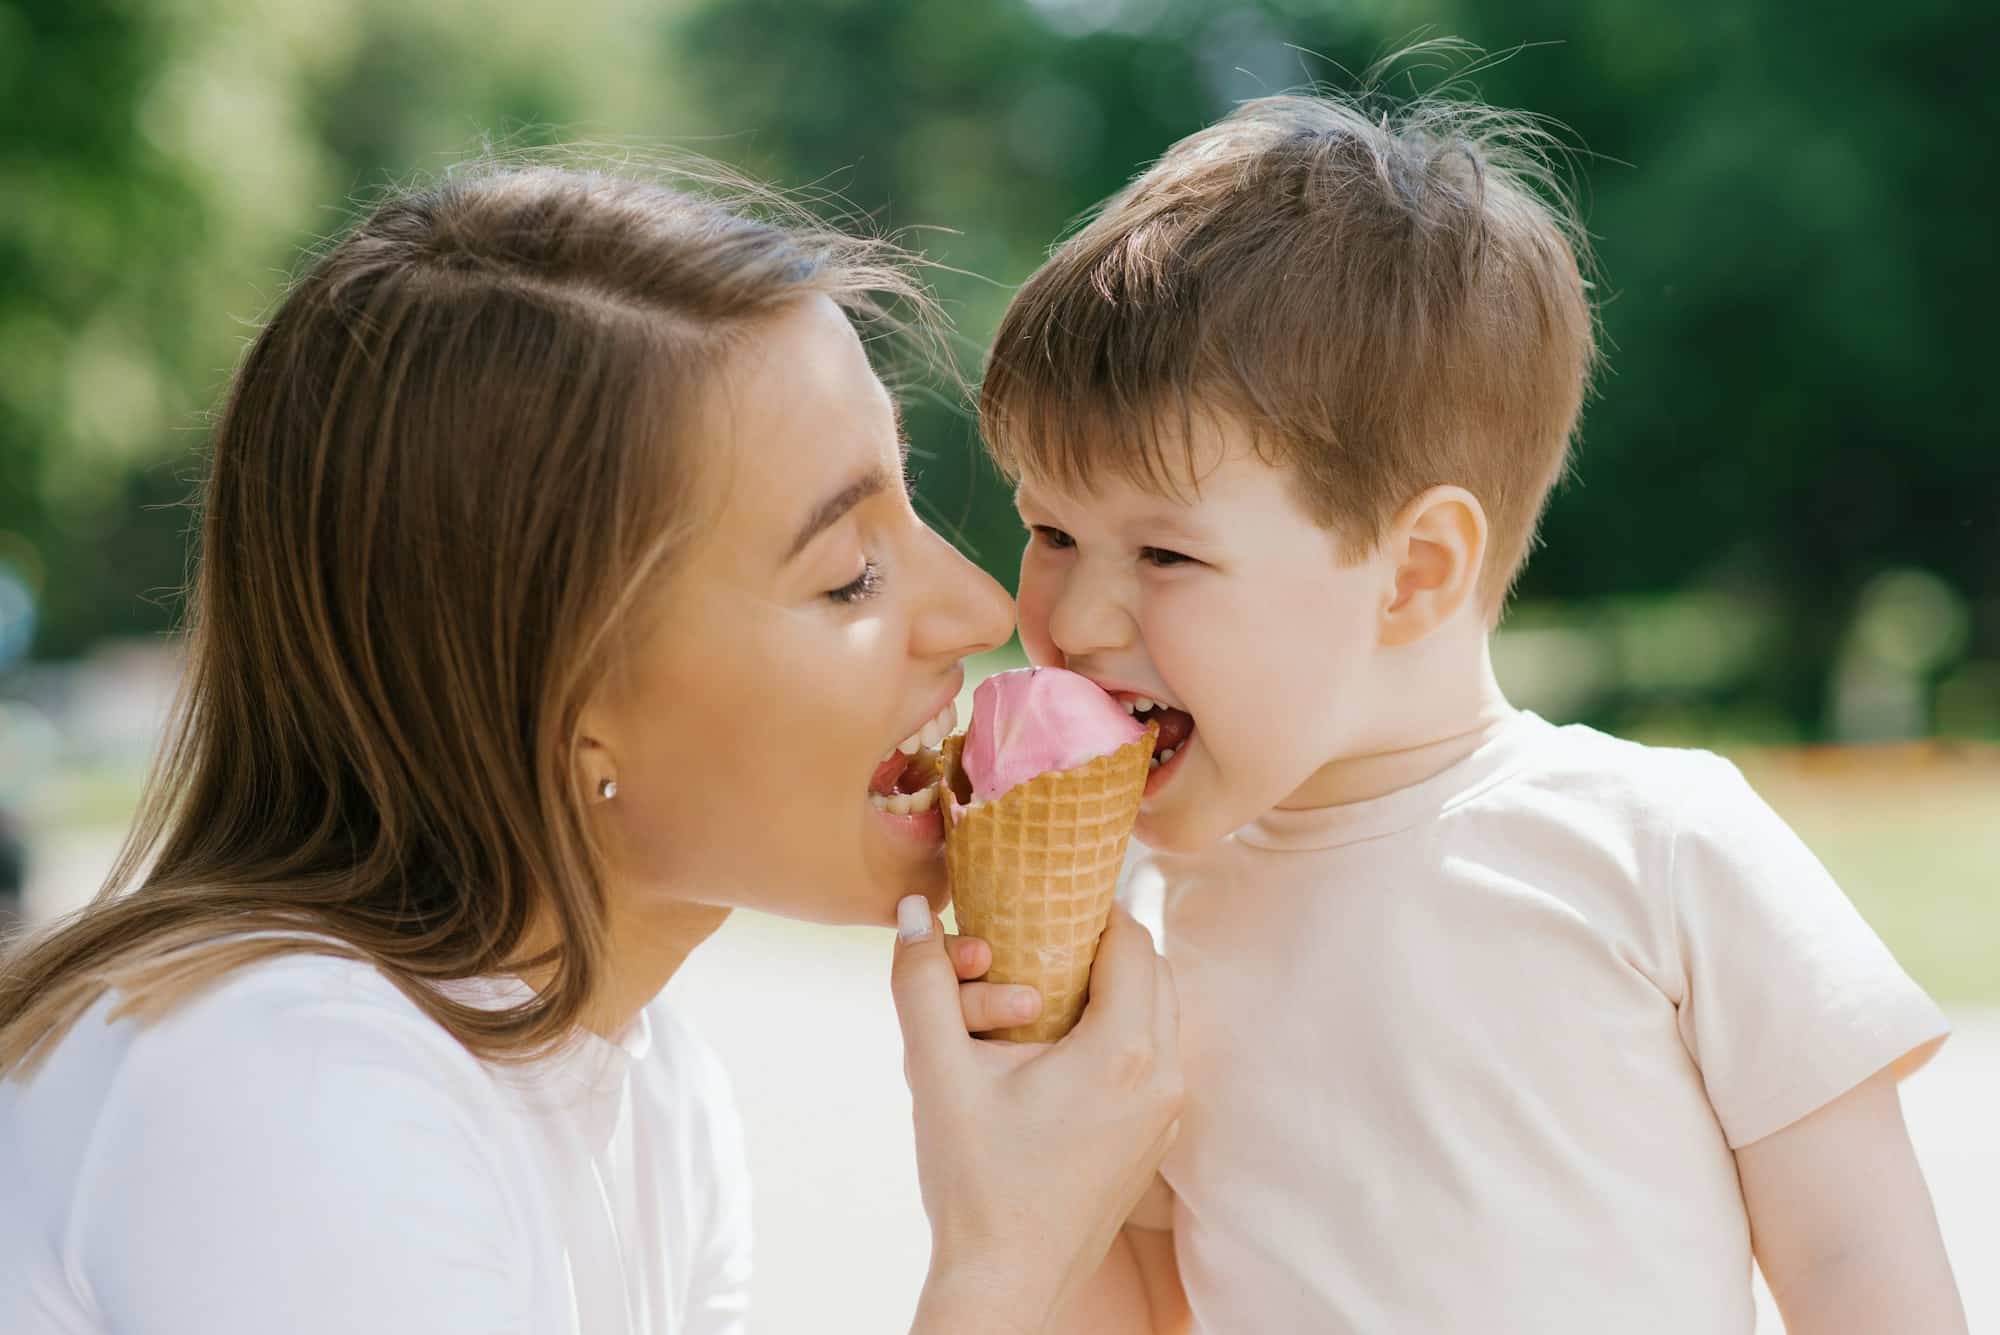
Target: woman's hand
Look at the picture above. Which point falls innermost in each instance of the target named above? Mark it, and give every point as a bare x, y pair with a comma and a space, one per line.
1030, 1156
987, 1005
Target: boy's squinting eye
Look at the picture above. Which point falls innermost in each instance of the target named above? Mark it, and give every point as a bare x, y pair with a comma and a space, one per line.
1053, 537
862, 587
1160, 556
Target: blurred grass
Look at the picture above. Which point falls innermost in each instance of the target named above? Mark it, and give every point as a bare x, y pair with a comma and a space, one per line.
1912, 833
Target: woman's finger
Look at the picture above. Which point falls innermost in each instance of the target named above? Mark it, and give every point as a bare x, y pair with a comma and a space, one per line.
990, 1006
970, 956
924, 984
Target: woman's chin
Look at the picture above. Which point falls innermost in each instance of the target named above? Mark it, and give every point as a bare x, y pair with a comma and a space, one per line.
907, 855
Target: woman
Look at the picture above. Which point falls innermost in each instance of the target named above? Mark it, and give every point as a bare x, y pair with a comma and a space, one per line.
559, 591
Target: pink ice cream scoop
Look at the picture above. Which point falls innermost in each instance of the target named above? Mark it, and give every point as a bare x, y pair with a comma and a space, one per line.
1034, 720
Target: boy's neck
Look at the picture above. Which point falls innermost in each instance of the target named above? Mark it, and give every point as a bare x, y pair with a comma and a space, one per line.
1440, 703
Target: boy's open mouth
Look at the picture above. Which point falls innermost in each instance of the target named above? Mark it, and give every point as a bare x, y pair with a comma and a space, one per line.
1176, 725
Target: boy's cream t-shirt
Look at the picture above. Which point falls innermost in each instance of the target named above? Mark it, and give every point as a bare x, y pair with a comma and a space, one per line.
1474, 1055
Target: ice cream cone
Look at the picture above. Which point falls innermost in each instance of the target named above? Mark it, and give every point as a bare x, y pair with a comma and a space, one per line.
1033, 872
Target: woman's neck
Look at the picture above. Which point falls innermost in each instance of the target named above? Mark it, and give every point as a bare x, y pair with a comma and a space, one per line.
649, 941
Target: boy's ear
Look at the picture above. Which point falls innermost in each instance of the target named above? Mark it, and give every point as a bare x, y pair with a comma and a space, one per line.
1436, 546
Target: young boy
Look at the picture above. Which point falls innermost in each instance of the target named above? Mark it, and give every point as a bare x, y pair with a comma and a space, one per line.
1488, 1024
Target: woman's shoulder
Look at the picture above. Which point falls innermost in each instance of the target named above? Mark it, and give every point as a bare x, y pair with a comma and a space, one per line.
297, 1015
303, 1041
298, 1107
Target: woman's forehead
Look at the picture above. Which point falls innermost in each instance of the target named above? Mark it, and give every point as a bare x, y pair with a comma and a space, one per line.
803, 417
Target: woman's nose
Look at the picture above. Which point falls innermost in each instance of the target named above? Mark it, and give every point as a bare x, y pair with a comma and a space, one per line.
967, 612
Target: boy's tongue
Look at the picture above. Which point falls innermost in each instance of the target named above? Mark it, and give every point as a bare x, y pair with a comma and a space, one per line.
1033, 720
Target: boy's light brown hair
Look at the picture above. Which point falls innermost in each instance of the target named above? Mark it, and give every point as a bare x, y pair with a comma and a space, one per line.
1389, 303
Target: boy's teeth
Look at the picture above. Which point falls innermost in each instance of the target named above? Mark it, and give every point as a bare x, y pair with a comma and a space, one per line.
1129, 705
1166, 755
1142, 705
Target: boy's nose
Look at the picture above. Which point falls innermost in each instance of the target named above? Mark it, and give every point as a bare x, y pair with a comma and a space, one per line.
1088, 618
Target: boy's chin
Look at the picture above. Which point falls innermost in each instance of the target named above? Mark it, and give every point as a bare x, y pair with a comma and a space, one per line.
1179, 830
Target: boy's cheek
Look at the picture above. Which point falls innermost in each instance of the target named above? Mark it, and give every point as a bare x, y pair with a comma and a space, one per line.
1031, 615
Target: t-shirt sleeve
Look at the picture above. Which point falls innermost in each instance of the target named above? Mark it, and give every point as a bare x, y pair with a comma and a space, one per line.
1790, 998
300, 1170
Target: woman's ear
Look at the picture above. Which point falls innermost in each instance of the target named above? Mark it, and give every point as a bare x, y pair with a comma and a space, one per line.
1437, 544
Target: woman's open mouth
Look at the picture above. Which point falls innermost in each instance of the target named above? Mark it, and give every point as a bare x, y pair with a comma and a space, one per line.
905, 782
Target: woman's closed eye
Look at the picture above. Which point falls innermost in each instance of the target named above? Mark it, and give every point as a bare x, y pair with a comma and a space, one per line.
861, 588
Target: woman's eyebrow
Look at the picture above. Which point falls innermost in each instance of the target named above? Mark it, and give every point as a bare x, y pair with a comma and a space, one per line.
872, 483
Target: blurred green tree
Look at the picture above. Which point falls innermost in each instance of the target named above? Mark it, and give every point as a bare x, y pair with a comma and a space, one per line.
1790, 204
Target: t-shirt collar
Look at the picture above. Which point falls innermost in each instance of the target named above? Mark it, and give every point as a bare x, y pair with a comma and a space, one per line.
1507, 744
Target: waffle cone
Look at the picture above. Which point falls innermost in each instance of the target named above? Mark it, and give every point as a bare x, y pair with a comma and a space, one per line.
1033, 873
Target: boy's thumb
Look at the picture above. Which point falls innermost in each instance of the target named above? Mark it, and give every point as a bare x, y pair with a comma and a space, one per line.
925, 986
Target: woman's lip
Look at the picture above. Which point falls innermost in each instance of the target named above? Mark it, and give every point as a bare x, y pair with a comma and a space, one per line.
925, 828
1159, 777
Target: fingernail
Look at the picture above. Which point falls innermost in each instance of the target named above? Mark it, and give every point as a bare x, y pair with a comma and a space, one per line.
1023, 1005
913, 919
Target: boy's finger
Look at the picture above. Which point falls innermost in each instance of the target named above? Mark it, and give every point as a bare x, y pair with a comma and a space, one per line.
1122, 991
970, 956
997, 1005
926, 990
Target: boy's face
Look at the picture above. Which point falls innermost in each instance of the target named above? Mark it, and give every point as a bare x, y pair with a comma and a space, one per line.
1232, 606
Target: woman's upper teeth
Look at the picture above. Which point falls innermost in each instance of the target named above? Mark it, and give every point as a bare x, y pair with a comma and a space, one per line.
933, 732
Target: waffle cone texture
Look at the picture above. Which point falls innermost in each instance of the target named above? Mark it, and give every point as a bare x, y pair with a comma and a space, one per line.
1034, 872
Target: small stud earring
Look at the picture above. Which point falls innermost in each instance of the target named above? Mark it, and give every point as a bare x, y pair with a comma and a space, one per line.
607, 789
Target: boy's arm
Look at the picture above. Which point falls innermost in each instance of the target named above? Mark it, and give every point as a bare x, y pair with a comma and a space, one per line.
1137, 1291
1842, 1222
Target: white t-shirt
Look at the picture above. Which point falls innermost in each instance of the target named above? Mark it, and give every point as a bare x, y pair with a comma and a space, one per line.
302, 1150
1475, 1055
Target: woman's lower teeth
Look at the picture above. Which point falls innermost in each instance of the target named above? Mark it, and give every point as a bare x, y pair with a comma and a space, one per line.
904, 804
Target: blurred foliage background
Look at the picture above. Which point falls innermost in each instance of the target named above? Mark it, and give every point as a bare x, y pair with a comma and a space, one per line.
1785, 521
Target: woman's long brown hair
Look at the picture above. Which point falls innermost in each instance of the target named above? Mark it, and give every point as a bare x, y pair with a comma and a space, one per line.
459, 447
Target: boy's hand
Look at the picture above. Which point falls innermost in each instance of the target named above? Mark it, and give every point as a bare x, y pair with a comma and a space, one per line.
987, 1006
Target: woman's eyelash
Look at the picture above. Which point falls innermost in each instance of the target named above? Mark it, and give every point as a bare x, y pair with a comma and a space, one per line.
864, 586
